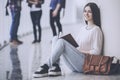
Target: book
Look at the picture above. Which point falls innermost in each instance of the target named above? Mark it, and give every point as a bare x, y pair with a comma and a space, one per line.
69, 38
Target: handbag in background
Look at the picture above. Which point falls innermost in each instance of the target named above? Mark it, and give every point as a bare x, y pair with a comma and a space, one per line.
115, 68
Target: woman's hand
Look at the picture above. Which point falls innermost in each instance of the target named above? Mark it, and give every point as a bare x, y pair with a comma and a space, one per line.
33, 2
55, 12
85, 52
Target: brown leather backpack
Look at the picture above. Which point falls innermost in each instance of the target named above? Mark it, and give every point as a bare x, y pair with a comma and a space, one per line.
96, 64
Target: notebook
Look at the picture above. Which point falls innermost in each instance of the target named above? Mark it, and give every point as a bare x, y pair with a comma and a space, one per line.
69, 38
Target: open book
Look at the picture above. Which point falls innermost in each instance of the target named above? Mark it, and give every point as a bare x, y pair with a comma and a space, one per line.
69, 38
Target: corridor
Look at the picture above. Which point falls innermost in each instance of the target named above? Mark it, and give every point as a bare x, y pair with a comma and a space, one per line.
19, 62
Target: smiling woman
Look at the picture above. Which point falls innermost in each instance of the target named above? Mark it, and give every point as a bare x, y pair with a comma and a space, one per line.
89, 41
88, 13
92, 13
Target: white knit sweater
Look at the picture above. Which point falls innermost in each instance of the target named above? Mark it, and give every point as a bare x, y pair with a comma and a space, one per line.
90, 39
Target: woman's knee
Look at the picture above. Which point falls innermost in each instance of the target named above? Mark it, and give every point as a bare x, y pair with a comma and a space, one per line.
54, 39
61, 41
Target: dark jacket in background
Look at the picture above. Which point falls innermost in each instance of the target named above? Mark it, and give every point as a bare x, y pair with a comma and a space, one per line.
38, 5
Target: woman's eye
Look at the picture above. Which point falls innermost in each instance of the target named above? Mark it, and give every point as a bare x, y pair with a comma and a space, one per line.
88, 11
84, 10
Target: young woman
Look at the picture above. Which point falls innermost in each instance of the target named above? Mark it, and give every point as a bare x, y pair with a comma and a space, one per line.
90, 40
36, 13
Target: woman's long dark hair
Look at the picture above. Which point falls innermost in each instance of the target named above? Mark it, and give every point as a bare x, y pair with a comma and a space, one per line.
96, 13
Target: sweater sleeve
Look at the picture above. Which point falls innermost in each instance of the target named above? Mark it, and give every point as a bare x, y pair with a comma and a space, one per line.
97, 42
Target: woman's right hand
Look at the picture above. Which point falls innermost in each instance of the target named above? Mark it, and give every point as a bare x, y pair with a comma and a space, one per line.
83, 51
32, 2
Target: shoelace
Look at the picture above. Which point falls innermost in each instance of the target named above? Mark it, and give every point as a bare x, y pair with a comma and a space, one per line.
53, 68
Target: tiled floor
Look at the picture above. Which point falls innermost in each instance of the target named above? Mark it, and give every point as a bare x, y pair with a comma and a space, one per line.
19, 62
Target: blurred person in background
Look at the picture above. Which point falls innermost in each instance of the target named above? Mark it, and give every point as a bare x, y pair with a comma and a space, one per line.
55, 9
15, 8
36, 13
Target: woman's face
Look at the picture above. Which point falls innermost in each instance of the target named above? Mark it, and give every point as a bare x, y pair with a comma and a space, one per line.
88, 14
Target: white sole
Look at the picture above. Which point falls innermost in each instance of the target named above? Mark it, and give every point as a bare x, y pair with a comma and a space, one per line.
54, 74
40, 75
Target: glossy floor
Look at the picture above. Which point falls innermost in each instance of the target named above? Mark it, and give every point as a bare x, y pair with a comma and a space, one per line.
20, 62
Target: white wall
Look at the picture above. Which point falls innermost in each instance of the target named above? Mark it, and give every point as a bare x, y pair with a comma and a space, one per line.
110, 23
79, 4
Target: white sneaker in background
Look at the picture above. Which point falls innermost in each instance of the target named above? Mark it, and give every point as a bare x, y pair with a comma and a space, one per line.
60, 34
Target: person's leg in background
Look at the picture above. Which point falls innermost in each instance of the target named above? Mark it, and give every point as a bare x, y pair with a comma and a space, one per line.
33, 18
52, 20
38, 17
57, 19
14, 26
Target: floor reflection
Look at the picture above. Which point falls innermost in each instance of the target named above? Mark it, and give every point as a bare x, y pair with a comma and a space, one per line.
16, 73
34, 60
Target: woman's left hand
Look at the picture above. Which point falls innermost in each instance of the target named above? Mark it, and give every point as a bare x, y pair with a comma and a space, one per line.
54, 13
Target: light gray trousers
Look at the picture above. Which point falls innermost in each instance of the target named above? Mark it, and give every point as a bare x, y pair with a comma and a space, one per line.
72, 57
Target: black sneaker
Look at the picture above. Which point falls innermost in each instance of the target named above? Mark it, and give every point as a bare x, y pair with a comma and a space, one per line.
16, 42
20, 42
60, 34
38, 41
41, 72
55, 70
35, 41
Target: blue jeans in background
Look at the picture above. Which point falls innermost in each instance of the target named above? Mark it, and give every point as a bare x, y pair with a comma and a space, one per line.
15, 24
